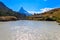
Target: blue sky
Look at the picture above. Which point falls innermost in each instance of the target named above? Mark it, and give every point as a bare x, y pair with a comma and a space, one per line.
31, 5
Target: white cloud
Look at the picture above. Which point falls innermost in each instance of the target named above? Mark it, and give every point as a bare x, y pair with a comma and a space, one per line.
45, 9
41, 10
32, 12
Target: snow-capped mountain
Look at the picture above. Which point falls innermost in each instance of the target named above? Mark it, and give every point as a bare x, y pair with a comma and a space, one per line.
22, 11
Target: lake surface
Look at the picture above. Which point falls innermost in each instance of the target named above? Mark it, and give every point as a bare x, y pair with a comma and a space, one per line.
29, 30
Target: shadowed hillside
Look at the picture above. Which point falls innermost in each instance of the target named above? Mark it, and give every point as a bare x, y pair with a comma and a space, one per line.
5, 11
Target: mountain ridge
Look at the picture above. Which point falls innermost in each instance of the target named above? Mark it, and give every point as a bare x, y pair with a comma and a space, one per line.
5, 11
23, 11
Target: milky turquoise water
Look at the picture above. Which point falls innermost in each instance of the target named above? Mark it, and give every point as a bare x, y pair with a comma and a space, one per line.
29, 30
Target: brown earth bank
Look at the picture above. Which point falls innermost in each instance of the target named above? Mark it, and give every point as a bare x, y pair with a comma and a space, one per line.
52, 15
8, 18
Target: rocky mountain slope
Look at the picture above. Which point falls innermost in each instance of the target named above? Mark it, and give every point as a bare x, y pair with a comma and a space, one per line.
5, 11
24, 12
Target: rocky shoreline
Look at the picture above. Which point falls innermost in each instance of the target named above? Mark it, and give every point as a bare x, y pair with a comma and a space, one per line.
8, 18
13, 18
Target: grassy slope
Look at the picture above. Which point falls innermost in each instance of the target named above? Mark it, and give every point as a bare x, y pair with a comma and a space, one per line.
53, 14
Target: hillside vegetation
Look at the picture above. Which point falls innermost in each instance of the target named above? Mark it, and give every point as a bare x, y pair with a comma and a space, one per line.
52, 15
